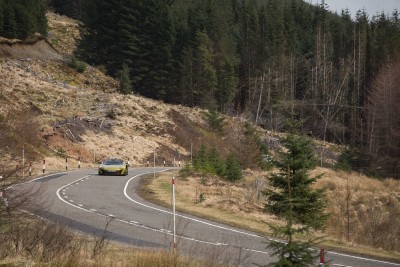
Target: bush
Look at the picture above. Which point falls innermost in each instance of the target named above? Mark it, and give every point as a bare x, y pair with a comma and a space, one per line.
77, 65
353, 159
215, 121
186, 171
233, 170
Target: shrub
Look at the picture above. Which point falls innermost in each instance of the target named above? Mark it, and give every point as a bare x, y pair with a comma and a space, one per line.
215, 121
233, 170
77, 65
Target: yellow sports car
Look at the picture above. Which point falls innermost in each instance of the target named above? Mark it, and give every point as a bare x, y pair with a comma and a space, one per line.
113, 166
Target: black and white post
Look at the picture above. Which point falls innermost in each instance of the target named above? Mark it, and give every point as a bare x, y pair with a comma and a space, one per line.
44, 166
66, 164
79, 162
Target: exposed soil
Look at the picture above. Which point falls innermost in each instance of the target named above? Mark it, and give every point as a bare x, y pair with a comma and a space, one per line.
38, 49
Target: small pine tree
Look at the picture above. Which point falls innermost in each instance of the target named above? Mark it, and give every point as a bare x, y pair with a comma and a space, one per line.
293, 199
233, 171
295, 162
215, 121
78, 65
125, 86
200, 159
215, 162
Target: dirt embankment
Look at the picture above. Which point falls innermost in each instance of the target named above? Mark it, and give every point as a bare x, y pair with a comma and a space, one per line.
35, 48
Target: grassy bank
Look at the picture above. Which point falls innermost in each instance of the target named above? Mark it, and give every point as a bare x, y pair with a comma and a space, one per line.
241, 205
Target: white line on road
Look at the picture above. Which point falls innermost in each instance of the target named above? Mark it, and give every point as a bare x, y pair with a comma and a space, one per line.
361, 258
182, 216
127, 222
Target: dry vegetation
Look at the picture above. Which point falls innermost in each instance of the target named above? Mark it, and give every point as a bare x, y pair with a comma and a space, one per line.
372, 209
41, 243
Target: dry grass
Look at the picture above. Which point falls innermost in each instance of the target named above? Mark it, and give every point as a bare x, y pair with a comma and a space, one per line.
237, 205
114, 255
364, 210
65, 32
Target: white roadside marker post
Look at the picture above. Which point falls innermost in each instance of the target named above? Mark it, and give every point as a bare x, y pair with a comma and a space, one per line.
154, 163
44, 166
66, 164
23, 161
79, 162
173, 205
30, 168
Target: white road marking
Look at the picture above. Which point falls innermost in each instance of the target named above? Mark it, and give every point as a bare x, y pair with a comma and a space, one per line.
361, 258
131, 222
63, 200
182, 216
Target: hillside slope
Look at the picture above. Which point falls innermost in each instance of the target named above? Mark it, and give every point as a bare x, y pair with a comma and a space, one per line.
79, 113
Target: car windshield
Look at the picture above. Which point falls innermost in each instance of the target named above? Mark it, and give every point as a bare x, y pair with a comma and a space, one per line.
113, 162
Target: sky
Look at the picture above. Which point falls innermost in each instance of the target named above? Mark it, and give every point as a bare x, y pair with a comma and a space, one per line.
371, 6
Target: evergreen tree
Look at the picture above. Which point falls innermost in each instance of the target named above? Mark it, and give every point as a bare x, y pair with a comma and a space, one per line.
70, 8
1, 17
9, 22
125, 86
215, 162
200, 159
215, 121
233, 170
292, 199
294, 163
20, 19
205, 79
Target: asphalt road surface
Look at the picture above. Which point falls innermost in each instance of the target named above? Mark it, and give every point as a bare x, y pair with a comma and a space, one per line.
85, 202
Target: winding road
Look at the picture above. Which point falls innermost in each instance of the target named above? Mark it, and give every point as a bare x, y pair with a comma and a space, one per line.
85, 202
